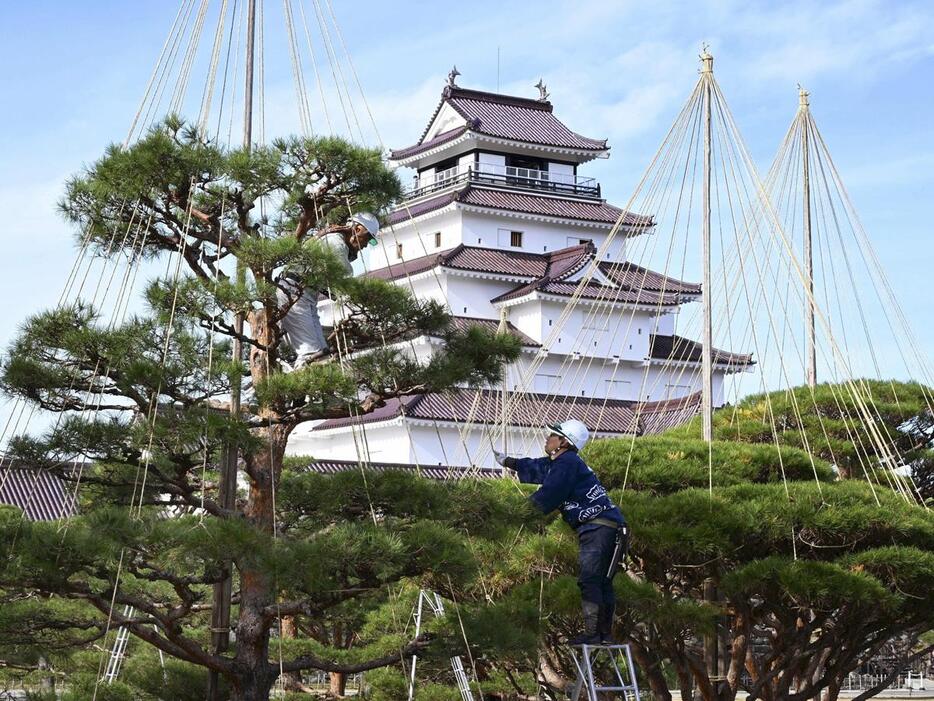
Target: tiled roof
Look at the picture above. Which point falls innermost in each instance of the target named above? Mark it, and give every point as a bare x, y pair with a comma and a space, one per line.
657, 417
505, 117
597, 211
605, 416
636, 277
594, 210
41, 495
487, 260
594, 291
682, 349
442, 138
546, 273
532, 410
435, 472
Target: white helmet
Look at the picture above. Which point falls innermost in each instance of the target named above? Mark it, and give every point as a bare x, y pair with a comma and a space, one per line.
573, 430
368, 221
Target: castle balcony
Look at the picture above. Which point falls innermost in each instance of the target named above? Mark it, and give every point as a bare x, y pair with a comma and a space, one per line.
511, 177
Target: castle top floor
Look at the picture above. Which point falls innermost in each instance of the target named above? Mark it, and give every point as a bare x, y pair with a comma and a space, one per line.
518, 142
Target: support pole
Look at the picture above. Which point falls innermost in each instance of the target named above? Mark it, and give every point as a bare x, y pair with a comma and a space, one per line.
712, 640
220, 612
707, 340
811, 347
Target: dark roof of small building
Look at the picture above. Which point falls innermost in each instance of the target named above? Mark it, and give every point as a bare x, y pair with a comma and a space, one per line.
678, 348
40, 494
597, 211
435, 472
602, 416
502, 116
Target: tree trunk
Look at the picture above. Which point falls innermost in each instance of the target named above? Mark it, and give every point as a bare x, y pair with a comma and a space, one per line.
291, 681
337, 684
651, 668
257, 588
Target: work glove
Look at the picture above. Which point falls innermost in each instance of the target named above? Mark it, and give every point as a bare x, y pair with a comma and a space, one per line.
500, 458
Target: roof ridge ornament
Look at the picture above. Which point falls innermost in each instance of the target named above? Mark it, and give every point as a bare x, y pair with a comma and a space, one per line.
543, 93
452, 76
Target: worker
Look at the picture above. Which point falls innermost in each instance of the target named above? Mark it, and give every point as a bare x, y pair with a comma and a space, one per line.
569, 485
301, 324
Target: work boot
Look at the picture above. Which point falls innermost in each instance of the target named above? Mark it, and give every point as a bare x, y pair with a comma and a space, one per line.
605, 625
591, 634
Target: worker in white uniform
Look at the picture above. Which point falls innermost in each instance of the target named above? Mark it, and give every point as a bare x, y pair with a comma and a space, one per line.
301, 324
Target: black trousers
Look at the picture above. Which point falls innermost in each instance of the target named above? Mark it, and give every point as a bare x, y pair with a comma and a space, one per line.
596, 551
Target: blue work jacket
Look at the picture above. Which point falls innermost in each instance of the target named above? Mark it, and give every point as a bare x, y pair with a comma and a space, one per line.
567, 484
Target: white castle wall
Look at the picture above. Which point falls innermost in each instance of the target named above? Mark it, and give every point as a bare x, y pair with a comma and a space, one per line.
483, 229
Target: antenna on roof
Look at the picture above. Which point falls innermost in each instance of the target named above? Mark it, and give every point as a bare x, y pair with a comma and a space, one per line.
542, 90
452, 76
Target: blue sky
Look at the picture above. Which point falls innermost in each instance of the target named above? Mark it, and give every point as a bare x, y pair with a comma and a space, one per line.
74, 73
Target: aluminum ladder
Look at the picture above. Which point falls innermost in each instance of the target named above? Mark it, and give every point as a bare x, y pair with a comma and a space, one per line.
617, 658
436, 604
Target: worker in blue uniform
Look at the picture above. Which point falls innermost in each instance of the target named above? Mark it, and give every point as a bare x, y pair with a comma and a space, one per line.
569, 485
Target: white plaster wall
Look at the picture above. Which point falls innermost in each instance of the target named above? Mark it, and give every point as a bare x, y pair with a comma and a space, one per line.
561, 172
444, 444
491, 162
388, 442
597, 330
448, 118
417, 239
482, 229
527, 317
470, 296
680, 381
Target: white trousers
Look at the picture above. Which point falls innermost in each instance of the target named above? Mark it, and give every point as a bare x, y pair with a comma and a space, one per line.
302, 326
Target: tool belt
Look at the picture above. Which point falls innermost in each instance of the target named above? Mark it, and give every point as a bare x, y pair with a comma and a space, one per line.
620, 550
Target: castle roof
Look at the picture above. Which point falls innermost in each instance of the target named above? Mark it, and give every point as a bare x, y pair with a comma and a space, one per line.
507, 117
594, 211
435, 472
602, 416
555, 273
680, 349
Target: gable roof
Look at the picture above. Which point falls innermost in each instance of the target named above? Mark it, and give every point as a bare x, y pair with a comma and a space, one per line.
500, 116
549, 273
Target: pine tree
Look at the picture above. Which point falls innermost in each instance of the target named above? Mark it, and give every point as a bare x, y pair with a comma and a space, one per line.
145, 415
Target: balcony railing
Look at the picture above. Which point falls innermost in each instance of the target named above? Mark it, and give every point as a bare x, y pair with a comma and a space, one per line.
526, 178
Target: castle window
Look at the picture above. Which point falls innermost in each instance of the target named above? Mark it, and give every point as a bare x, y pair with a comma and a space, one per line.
399, 251
437, 239
507, 237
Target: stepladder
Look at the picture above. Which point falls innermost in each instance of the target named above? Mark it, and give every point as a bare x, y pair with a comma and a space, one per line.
604, 672
436, 605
